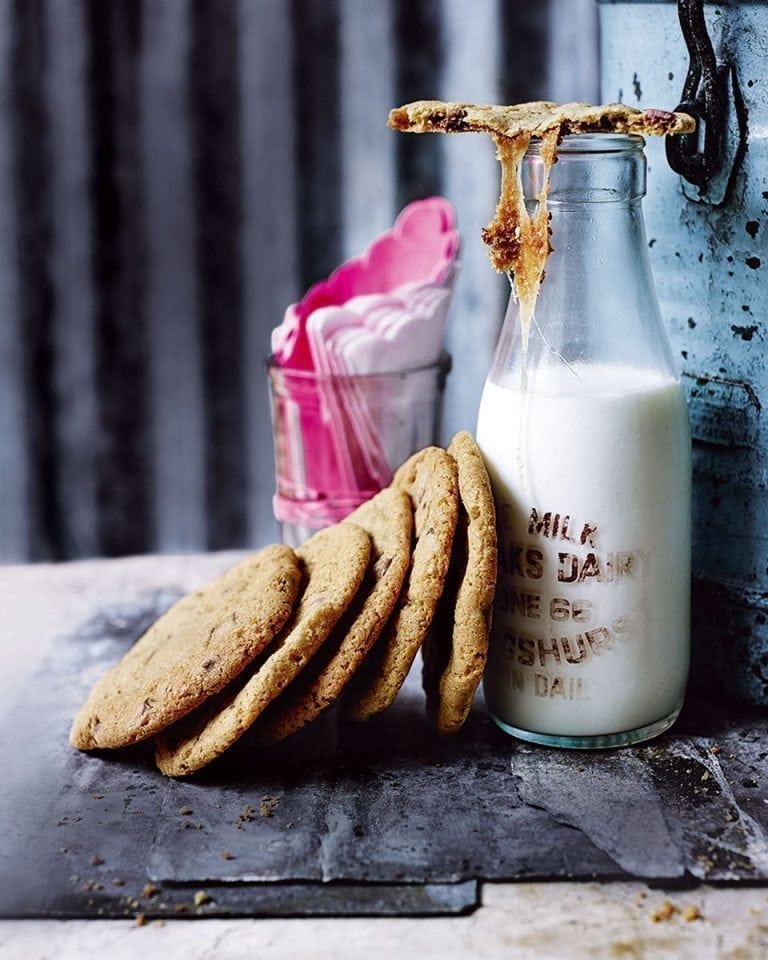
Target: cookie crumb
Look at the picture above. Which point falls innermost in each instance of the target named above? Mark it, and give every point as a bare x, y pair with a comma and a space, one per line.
117, 882
200, 898
226, 855
665, 912
141, 920
96, 860
97, 796
246, 814
185, 811
180, 908
149, 890
705, 775
691, 913
267, 806
159, 922
92, 885
714, 749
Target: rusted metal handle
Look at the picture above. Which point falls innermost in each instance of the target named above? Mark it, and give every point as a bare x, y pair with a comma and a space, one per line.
698, 156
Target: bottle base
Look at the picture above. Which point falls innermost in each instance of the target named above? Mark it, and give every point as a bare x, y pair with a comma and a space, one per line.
603, 741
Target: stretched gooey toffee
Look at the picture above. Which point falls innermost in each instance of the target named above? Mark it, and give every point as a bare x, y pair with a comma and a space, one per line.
519, 242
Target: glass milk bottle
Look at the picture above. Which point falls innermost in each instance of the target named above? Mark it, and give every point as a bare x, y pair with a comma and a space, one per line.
585, 432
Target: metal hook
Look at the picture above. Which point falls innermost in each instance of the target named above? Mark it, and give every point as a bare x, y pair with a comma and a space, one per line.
704, 96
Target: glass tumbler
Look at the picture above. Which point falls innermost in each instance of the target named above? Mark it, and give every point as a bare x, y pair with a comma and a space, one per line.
338, 439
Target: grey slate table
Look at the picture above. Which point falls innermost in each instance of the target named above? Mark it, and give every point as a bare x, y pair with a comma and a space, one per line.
382, 819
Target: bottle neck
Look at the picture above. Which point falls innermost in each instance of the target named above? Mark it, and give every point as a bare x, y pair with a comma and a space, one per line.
590, 169
597, 305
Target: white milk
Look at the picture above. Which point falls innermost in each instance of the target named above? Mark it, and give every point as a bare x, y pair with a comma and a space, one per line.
592, 477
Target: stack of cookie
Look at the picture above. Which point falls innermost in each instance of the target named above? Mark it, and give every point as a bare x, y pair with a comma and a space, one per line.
270, 644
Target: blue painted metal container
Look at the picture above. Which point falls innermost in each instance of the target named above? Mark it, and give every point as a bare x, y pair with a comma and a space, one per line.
709, 252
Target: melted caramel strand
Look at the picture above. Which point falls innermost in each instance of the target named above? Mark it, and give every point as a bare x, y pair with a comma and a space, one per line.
519, 242
548, 154
506, 234
538, 247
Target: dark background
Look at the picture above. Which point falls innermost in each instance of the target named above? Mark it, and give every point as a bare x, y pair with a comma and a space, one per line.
173, 173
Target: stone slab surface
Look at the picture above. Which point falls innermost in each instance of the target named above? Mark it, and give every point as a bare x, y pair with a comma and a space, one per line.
385, 818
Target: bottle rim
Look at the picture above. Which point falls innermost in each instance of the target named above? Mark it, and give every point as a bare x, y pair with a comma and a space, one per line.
592, 143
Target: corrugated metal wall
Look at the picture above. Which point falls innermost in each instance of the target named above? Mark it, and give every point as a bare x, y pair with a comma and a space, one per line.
172, 174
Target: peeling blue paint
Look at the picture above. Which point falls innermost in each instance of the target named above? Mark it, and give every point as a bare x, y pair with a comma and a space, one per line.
707, 256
